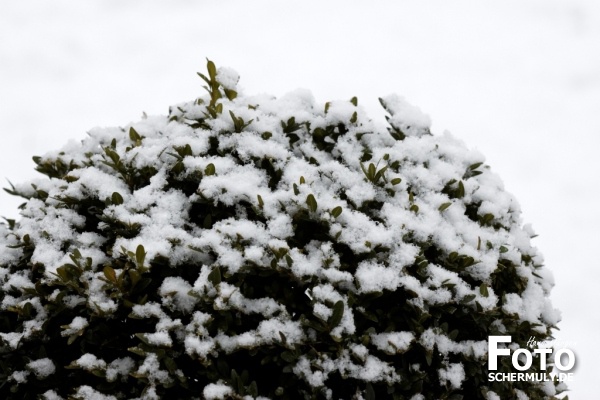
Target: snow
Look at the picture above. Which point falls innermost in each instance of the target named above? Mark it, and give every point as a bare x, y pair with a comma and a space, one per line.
150, 368
42, 368
228, 78
75, 327
453, 374
51, 395
393, 342
120, 366
214, 391
90, 362
88, 393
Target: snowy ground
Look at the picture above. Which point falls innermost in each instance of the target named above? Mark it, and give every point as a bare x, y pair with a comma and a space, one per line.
518, 80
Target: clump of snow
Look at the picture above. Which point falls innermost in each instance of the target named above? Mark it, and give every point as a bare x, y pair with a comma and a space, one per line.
88, 393
453, 374
42, 368
120, 366
216, 391
228, 78
75, 327
90, 362
393, 342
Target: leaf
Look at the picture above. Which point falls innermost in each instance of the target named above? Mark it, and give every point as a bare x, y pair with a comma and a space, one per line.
143, 338
210, 169
396, 181
354, 101
266, 135
253, 389
215, 276
336, 212
380, 173
338, 313
460, 192
110, 274
371, 172
288, 357
311, 202
503, 249
468, 298
369, 392
261, 203
134, 136
211, 68
283, 338
483, 289
231, 94
134, 276
444, 206
207, 223
116, 198
140, 255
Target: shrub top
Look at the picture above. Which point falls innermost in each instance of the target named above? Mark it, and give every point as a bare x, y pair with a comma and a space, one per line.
255, 246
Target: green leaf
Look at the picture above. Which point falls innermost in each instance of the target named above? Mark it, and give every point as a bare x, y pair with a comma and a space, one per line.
429, 358
380, 173
369, 392
207, 223
483, 289
475, 166
231, 94
354, 101
338, 313
210, 169
212, 69
261, 203
134, 136
116, 198
288, 357
396, 181
142, 337
371, 172
468, 298
311, 202
336, 212
215, 276
140, 255
266, 135
503, 249
460, 192
444, 206
134, 276
110, 274
253, 389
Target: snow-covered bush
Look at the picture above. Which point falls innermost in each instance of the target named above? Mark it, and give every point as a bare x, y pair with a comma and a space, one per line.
254, 247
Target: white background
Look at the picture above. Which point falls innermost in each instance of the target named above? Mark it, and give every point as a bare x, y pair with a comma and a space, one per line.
518, 80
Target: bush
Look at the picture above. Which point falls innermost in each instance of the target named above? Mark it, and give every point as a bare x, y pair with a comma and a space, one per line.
253, 247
